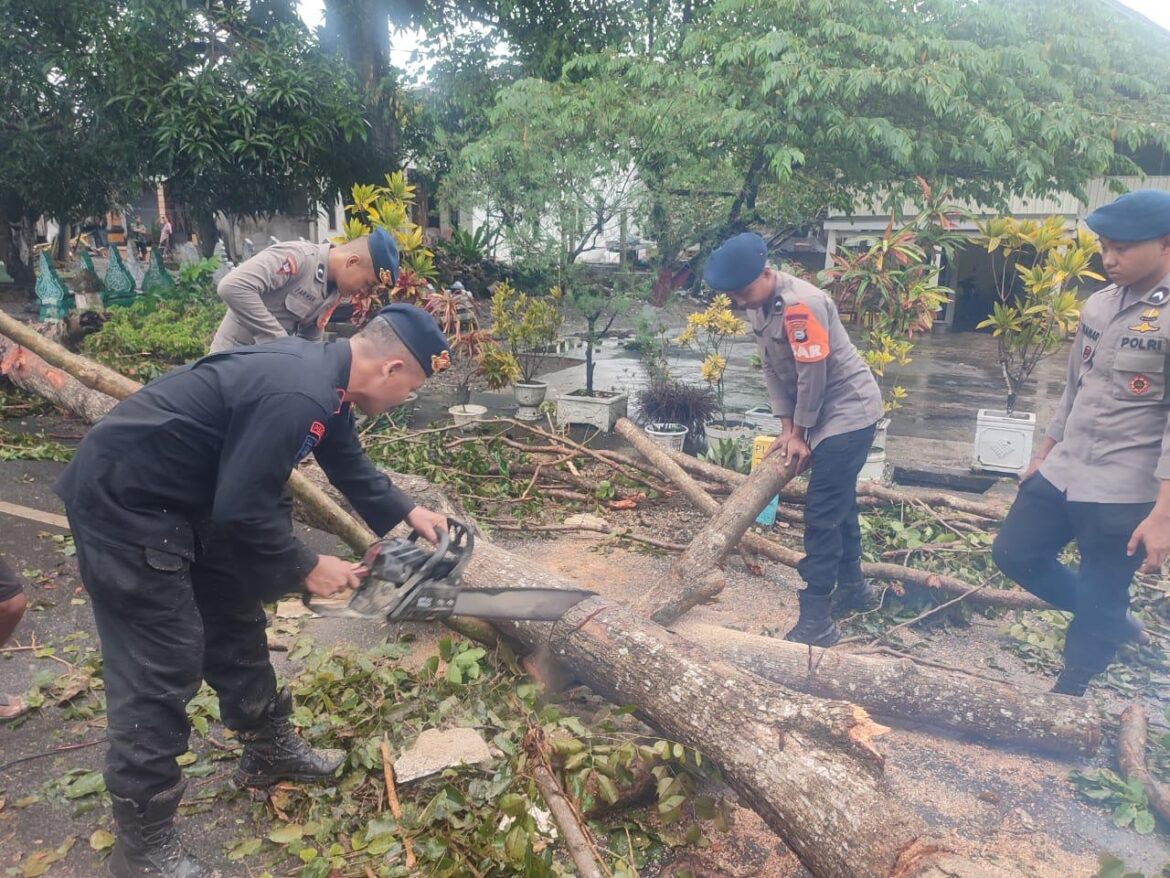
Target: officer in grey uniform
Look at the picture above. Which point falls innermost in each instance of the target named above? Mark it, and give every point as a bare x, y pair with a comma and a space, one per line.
828, 403
1102, 473
291, 288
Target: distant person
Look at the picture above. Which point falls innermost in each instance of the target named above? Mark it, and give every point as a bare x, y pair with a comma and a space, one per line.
292, 287
1101, 476
12, 606
165, 232
140, 235
828, 403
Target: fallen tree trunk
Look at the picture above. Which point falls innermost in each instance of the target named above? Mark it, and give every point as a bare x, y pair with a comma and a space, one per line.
1015, 599
806, 765
902, 691
1132, 731
884, 493
696, 575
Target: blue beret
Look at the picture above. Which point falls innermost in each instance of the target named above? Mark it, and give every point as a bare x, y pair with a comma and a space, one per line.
1135, 216
737, 262
384, 253
419, 331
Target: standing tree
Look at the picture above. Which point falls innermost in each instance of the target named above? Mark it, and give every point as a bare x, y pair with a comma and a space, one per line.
240, 109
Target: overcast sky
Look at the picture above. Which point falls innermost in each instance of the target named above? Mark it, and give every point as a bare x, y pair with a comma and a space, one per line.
1155, 10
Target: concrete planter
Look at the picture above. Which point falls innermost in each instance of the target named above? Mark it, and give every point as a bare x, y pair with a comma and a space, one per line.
732, 428
600, 411
874, 468
531, 395
669, 436
1003, 442
879, 433
761, 418
467, 416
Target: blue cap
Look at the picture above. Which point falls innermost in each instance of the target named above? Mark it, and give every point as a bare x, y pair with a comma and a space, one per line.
384, 254
420, 333
1135, 216
737, 262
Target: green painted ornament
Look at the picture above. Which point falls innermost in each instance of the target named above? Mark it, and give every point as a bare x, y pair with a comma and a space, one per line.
156, 281
52, 294
120, 286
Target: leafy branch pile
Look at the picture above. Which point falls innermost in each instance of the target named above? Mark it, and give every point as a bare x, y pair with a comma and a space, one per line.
31, 446
474, 820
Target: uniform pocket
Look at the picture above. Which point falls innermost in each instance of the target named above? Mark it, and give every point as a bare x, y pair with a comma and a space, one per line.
297, 305
164, 562
1139, 375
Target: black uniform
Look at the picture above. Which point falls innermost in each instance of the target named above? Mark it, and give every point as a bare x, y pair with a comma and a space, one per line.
176, 500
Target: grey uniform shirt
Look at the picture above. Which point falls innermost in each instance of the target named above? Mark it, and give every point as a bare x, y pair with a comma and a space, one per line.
282, 290
812, 369
1111, 425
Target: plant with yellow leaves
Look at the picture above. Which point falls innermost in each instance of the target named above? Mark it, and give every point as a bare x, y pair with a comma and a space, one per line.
1037, 306
713, 333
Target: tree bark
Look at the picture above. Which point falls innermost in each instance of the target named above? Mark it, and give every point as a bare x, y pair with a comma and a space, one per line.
1131, 758
884, 493
909, 694
29, 372
695, 576
16, 239
1015, 599
808, 766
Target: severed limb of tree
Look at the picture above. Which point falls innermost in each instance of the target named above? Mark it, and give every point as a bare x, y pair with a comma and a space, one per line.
575, 833
907, 693
696, 575
883, 493
951, 586
1132, 731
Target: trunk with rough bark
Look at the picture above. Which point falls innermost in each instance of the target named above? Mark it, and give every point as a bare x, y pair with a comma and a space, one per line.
16, 240
908, 693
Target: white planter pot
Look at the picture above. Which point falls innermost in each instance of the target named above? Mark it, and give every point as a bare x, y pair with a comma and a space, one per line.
879, 433
669, 436
874, 469
467, 416
601, 412
732, 428
1003, 442
530, 395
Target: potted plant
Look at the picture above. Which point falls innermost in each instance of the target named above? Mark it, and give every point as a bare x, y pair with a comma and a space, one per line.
527, 326
1036, 309
600, 305
712, 333
675, 413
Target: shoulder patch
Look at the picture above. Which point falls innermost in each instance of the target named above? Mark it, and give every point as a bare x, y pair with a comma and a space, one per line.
807, 335
288, 268
312, 439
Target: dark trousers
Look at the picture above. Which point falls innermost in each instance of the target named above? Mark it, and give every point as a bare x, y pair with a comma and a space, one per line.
165, 624
1040, 524
10, 584
832, 536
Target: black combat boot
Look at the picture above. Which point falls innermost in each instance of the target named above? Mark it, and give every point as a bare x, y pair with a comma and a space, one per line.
815, 625
855, 597
147, 845
1072, 681
274, 752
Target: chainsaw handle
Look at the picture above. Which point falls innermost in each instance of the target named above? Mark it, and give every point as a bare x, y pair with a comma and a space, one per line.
441, 547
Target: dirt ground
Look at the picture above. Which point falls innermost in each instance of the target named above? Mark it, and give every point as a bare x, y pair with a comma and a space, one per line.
1014, 806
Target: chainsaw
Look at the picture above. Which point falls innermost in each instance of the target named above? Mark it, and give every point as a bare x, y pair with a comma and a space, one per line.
403, 582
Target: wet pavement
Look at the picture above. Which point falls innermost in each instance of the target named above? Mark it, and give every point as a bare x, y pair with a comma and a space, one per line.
950, 377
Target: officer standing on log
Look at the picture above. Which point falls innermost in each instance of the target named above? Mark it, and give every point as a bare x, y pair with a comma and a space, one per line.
1101, 476
182, 527
828, 403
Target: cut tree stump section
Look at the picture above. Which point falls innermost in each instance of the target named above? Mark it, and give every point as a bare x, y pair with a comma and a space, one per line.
1015, 599
696, 575
907, 693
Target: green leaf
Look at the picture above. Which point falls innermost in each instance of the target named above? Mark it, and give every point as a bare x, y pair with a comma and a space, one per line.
244, 849
512, 804
290, 832
85, 785
1143, 822
607, 788
101, 840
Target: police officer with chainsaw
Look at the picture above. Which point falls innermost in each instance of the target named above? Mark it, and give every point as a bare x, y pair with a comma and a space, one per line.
1101, 475
291, 288
828, 403
176, 501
